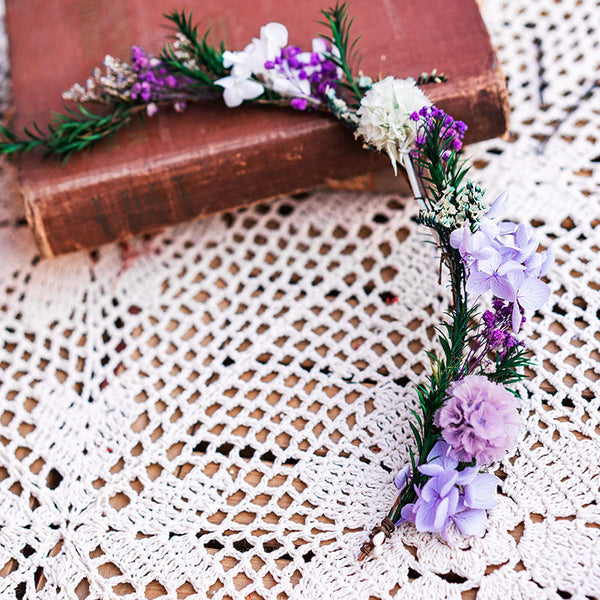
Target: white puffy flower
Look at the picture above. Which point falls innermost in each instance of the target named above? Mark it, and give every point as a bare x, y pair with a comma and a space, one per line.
384, 116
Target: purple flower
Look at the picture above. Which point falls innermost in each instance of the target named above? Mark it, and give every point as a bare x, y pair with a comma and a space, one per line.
502, 257
451, 496
494, 333
299, 103
451, 132
401, 480
480, 420
154, 81
305, 76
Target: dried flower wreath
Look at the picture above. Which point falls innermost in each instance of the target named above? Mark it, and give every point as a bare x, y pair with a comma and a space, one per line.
468, 417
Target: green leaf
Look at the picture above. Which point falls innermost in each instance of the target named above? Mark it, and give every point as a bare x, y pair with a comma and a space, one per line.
339, 23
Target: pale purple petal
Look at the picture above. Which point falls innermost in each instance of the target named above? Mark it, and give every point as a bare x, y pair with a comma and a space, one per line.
501, 288
440, 455
431, 469
516, 317
471, 522
533, 293
453, 497
498, 206
467, 475
525, 241
426, 515
507, 227
402, 478
457, 238
480, 492
478, 282
547, 262
443, 483
409, 513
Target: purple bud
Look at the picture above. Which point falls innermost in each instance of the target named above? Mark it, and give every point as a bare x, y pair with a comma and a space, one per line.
328, 67
488, 318
322, 87
269, 64
171, 81
299, 103
456, 144
498, 304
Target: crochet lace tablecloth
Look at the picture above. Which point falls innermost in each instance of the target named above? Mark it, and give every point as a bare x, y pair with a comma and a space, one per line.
219, 411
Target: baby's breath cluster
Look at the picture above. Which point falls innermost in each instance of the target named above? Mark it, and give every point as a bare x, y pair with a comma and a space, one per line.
453, 209
111, 85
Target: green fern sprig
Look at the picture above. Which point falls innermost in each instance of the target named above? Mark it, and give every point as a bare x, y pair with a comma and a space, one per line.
339, 22
208, 57
68, 132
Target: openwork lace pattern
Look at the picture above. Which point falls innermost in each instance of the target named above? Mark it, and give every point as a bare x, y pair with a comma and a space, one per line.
219, 411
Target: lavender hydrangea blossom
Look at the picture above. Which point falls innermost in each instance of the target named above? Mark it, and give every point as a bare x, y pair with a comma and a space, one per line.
480, 420
502, 257
451, 496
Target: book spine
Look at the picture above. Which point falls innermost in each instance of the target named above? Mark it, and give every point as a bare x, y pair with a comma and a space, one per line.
173, 190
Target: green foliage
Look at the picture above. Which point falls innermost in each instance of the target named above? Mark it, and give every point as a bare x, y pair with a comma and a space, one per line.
209, 59
510, 368
453, 336
339, 22
68, 132
438, 173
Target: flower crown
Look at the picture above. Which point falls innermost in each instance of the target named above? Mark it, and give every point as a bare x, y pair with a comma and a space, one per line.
468, 415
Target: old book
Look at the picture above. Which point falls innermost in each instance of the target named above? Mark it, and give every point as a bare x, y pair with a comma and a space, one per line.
175, 167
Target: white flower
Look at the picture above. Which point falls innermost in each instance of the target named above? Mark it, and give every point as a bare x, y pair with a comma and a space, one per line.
384, 116
238, 89
239, 85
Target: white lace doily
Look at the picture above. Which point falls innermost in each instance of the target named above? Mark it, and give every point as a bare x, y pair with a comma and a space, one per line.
219, 411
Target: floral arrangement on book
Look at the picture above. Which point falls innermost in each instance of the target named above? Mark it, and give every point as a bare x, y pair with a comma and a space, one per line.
468, 410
